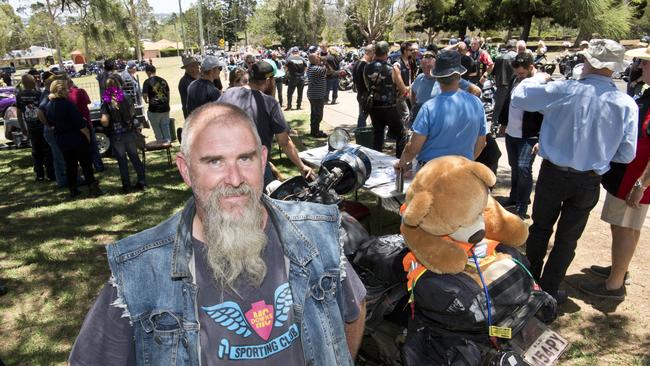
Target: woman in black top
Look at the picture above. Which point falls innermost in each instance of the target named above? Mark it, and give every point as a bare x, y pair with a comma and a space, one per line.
117, 116
72, 136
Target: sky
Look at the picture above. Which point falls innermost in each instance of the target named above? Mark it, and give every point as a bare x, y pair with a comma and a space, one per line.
159, 6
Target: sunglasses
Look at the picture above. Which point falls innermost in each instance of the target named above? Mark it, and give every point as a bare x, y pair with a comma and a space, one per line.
429, 56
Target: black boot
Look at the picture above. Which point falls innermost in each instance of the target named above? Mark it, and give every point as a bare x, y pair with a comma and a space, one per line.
74, 192
94, 190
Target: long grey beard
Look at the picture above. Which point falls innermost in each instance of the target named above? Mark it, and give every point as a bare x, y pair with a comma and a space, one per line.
235, 243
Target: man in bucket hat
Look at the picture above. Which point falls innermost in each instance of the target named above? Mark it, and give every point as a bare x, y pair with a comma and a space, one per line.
453, 123
587, 124
191, 67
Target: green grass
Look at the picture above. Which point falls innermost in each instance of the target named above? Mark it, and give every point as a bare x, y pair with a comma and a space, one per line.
52, 254
52, 258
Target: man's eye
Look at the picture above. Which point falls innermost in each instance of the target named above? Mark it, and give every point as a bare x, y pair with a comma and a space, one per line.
214, 162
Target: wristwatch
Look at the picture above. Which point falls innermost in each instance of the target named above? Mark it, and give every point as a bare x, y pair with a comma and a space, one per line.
638, 184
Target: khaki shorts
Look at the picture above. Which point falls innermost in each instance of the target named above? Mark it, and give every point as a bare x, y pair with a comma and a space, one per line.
616, 212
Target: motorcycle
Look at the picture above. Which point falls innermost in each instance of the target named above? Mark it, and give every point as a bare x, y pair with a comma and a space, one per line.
346, 82
487, 98
567, 64
541, 63
397, 333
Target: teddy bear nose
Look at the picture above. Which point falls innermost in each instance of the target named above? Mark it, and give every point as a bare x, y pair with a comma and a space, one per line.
477, 236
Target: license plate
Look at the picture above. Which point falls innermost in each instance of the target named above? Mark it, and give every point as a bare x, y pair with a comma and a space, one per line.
545, 351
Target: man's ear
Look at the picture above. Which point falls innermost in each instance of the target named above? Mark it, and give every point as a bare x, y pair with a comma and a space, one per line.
264, 156
184, 168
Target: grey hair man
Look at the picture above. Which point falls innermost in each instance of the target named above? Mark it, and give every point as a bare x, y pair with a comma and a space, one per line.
223, 280
587, 124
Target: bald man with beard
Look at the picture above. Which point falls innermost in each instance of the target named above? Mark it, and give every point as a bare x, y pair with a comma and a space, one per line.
235, 278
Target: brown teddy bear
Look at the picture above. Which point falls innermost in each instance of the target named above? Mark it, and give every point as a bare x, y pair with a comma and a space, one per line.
449, 202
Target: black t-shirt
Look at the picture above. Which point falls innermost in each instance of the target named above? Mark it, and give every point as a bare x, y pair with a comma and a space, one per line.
256, 324
332, 66
157, 92
256, 328
468, 63
67, 121
357, 76
120, 119
27, 103
261, 108
199, 92
183, 84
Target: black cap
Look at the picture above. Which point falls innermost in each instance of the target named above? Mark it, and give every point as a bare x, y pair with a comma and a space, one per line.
261, 70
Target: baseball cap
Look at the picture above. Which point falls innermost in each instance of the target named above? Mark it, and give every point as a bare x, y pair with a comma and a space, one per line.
210, 62
294, 49
265, 69
453, 41
605, 54
187, 61
130, 64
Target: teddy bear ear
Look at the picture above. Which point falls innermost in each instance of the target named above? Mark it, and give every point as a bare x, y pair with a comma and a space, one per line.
418, 208
483, 173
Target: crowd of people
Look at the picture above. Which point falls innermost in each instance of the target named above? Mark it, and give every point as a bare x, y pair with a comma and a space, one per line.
249, 249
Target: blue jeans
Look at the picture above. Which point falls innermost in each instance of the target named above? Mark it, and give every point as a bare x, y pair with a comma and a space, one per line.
520, 159
160, 125
333, 85
94, 151
57, 156
123, 145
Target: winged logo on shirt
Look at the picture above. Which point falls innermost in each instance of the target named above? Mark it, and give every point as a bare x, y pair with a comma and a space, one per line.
261, 318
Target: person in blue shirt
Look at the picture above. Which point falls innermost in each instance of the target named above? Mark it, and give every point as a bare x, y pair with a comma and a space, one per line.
453, 123
587, 124
426, 87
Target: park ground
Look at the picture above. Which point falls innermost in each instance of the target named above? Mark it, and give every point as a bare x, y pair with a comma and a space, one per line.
52, 251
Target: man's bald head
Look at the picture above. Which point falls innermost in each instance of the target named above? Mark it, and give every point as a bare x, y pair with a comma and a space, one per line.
214, 114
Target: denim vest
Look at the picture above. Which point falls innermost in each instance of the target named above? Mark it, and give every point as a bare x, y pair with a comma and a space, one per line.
151, 271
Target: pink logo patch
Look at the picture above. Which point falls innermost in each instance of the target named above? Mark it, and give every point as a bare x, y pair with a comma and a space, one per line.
260, 317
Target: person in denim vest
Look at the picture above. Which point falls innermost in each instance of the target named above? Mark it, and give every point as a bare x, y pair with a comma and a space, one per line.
235, 278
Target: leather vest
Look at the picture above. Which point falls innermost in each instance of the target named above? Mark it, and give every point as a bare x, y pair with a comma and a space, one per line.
378, 76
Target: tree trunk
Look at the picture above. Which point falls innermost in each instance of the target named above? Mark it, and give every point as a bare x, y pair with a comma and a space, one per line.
582, 35
135, 25
57, 44
86, 49
509, 35
527, 24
